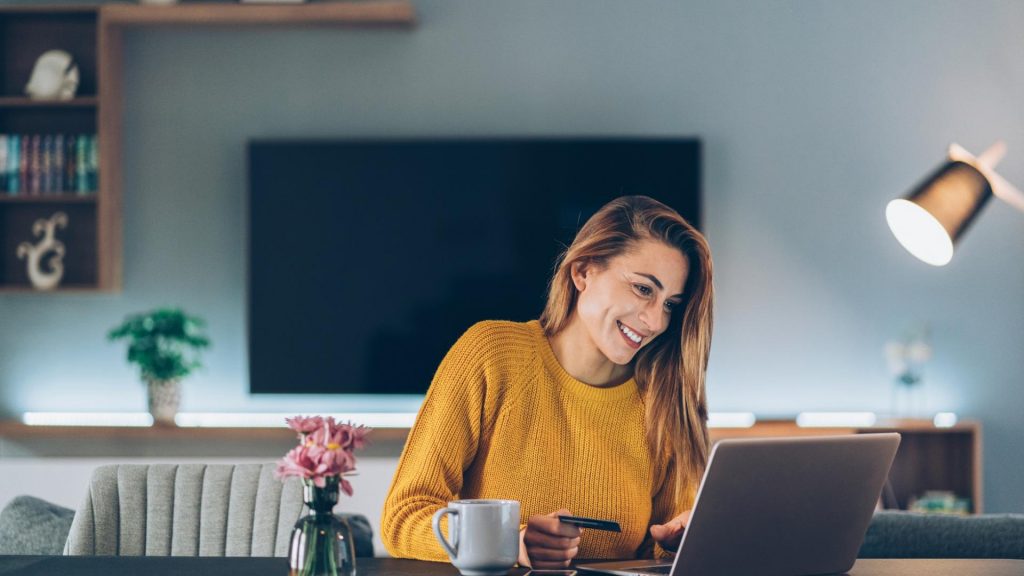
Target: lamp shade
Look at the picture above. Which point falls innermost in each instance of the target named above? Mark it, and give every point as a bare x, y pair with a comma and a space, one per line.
930, 221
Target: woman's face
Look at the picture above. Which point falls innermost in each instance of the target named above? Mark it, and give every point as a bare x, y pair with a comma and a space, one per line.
628, 304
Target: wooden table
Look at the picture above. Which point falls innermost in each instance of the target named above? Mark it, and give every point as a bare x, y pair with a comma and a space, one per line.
178, 566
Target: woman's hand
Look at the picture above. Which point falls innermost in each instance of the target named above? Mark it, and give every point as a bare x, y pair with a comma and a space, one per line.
670, 534
546, 542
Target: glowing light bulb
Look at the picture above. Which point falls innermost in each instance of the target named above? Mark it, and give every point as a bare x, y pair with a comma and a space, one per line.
919, 232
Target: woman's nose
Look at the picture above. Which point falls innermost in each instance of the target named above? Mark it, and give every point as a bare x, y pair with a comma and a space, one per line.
653, 320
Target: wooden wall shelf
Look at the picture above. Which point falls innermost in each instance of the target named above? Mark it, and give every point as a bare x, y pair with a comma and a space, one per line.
385, 13
16, 430
929, 458
18, 440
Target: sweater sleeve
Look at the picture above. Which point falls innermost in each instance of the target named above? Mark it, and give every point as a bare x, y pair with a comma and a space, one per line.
441, 446
665, 507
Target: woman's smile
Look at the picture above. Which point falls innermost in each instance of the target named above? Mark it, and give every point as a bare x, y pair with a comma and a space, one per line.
632, 338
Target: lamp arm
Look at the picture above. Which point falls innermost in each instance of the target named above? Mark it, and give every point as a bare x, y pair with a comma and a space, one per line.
991, 157
1004, 190
1001, 188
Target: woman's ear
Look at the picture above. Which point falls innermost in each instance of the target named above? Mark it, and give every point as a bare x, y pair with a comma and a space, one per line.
578, 271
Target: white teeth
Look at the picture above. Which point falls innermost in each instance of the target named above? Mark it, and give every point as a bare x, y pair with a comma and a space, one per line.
629, 333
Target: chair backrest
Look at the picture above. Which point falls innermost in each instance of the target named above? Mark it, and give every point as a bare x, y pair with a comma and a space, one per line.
186, 510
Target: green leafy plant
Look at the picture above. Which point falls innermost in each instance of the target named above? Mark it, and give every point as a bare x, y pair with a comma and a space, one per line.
164, 343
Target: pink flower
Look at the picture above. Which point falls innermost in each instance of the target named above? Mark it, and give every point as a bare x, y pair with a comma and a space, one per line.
326, 448
359, 434
304, 424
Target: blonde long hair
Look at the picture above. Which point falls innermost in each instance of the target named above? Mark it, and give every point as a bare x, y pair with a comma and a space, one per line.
670, 371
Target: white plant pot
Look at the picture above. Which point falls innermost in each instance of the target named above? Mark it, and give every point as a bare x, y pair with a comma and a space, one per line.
164, 399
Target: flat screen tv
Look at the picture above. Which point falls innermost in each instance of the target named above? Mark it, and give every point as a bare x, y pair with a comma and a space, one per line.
369, 258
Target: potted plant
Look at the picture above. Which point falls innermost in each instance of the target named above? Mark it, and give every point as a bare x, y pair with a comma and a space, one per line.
165, 344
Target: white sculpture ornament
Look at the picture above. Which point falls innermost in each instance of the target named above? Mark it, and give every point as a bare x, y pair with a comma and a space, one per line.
54, 77
46, 228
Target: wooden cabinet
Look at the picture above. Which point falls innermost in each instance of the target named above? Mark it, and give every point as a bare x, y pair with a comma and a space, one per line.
93, 36
929, 457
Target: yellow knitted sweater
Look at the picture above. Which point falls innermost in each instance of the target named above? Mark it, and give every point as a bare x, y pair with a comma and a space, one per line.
503, 419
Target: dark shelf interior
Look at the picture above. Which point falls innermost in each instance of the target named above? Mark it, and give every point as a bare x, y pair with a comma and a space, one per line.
79, 239
24, 36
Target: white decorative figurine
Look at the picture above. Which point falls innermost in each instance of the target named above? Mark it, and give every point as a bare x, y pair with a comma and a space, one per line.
45, 228
55, 77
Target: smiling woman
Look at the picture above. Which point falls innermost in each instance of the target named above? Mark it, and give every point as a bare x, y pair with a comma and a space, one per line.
596, 409
620, 302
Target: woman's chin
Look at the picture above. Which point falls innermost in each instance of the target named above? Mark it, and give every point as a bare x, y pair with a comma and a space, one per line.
622, 356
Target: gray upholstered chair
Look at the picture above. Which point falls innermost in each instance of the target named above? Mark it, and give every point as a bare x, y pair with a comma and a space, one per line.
191, 510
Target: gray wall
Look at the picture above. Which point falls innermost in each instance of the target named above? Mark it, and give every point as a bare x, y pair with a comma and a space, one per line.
814, 115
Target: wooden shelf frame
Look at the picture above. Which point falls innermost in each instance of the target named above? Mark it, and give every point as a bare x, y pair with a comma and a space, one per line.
62, 198
26, 102
115, 18
111, 21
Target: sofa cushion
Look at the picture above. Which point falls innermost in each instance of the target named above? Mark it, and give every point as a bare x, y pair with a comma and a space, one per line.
910, 535
29, 525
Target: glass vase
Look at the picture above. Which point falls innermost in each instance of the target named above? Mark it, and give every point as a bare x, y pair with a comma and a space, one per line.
321, 543
909, 398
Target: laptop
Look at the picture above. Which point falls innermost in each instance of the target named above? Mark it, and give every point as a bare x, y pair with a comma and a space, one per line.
778, 506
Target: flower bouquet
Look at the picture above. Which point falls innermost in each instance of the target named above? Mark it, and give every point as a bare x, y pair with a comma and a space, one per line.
321, 543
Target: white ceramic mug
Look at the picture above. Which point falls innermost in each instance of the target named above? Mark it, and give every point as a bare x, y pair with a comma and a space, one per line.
484, 535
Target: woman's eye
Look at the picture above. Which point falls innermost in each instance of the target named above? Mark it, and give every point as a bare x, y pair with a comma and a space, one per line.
670, 306
642, 290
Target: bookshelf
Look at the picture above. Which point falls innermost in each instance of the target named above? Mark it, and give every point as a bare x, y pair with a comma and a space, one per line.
92, 34
41, 192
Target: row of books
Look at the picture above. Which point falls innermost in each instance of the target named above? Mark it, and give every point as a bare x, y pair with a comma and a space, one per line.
41, 164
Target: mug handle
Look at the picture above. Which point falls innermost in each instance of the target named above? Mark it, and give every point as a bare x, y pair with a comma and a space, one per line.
453, 552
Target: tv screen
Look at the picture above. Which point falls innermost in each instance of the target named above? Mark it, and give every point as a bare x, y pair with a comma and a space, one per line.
369, 258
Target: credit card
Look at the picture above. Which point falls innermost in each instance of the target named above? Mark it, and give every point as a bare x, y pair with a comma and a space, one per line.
591, 523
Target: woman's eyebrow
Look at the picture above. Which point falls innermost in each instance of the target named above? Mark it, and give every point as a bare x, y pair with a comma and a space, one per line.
657, 282
652, 278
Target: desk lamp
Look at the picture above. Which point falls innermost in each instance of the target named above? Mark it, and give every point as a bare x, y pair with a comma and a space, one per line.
935, 214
